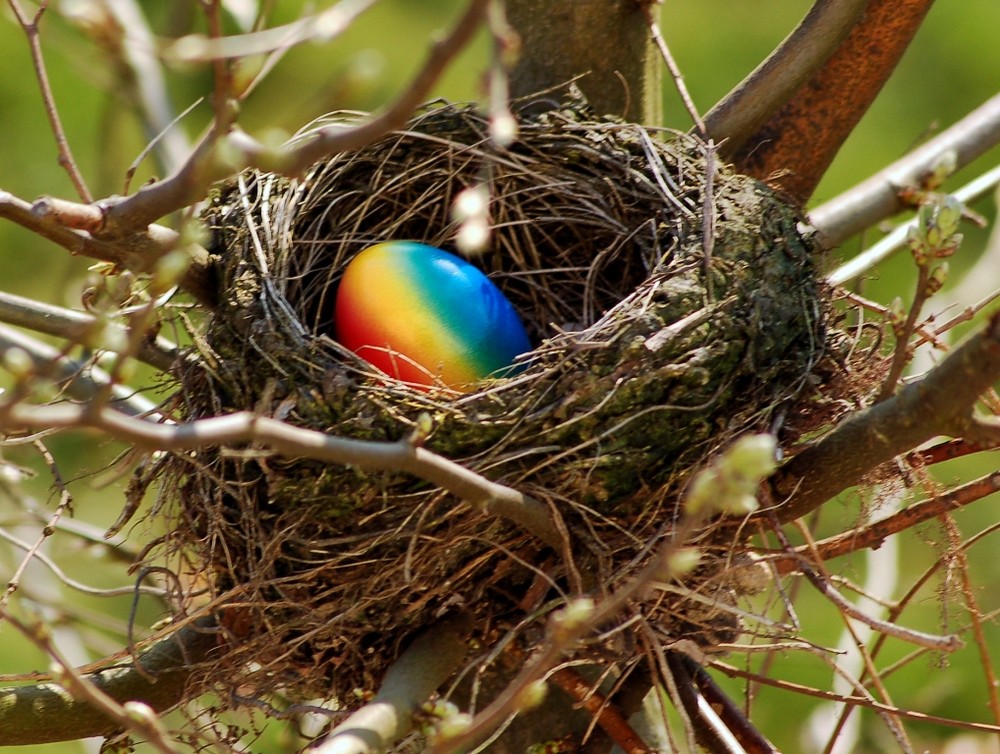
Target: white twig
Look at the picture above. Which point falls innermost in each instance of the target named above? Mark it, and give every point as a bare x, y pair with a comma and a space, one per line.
897, 238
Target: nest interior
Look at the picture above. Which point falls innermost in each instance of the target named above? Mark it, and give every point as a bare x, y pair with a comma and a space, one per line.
653, 350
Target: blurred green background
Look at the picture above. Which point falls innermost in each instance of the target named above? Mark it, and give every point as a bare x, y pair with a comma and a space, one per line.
952, 67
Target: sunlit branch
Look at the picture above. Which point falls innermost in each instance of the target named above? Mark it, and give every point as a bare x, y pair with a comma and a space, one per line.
877, 198
896, 239
295, 442
54, 220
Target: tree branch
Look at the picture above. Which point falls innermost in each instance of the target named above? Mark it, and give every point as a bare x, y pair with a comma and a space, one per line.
874, 534
413, 678
78, 327
796, 146
216, 159
939, 403
878, 197
295, 442
739, 114
58, 221
45, 712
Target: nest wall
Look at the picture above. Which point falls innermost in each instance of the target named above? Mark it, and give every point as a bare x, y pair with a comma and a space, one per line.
653, 350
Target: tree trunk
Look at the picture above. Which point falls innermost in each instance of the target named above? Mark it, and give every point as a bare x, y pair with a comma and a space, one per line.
607, 42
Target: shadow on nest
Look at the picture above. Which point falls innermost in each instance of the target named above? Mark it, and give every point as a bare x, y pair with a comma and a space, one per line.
654, 349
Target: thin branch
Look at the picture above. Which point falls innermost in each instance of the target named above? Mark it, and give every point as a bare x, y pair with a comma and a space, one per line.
205, 167
939, 402
78, 327
946, 643
142, 75
607, 715
58, 221
81, 380
675, 71
31, 30
413, 678
45, 712
321, 27
904, 331
762, 93
878, 197
295, 442
956, 552
877, 532
896, 239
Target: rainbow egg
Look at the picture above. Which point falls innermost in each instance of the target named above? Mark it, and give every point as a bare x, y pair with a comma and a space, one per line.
426, 317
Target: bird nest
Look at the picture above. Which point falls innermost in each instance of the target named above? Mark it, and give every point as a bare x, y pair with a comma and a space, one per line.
654, 348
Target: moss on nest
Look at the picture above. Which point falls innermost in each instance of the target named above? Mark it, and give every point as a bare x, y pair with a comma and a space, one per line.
650, 356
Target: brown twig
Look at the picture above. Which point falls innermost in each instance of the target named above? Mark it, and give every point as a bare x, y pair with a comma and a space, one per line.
675, 71
957, 553
698, 690
31, 30
858, 701
946, 643
874, 534
608, 716
904, 330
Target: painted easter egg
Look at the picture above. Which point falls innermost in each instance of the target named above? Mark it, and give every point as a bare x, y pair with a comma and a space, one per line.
426, 317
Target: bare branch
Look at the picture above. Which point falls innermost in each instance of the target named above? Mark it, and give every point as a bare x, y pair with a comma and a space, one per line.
30, 28
139, 252
143, 76
878, 197
938, 403
874, 534
896, 239
295, 442
761, 94
78, 327
45, 712
321, 27
413, 678
80, 380
215, 159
